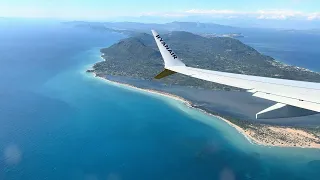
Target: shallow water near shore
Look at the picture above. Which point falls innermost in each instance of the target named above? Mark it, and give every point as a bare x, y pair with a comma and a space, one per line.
67, 124
191, 135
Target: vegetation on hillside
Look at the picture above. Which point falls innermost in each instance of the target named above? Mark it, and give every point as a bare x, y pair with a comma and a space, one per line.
138, 57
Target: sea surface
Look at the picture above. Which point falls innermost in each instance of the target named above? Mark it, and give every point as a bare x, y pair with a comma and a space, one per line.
58, 122
297, 48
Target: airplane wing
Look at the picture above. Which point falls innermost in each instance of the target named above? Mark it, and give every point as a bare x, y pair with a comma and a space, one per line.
294, 98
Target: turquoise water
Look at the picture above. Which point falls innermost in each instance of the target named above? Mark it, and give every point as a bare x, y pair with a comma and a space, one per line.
57, 122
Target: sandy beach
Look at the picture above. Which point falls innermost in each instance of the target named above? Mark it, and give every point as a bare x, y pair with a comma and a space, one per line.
264, 135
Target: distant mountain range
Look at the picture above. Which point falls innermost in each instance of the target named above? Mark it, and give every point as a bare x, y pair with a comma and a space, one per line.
166, 27
204, 29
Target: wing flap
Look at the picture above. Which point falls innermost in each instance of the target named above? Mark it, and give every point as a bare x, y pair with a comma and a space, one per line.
280, 110
285, 100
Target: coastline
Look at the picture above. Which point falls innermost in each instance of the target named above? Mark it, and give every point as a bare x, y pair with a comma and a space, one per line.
302, 138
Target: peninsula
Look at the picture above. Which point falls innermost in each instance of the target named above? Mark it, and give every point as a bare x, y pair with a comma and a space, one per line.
134, 62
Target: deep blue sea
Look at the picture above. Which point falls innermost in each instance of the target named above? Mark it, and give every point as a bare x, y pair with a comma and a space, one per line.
297, 48
57, 122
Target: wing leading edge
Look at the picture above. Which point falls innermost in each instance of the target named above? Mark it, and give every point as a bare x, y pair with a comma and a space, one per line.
295, 98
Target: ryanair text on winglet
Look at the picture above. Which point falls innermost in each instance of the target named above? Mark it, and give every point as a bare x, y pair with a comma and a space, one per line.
167, 47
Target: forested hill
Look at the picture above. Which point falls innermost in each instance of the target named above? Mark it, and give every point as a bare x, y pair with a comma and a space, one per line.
139, 57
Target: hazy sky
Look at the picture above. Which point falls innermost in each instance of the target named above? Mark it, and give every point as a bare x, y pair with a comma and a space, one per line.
308, 10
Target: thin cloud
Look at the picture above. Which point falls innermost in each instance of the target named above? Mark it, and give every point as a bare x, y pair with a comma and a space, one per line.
212, 11
278, 14
226, 13
314, 16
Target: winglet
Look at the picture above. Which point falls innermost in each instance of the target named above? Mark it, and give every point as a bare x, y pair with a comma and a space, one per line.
169, 57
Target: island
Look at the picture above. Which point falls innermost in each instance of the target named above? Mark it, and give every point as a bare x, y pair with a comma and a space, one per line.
231, 35
135, 61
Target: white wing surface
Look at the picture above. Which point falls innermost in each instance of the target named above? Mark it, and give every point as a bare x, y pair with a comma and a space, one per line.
294, 98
